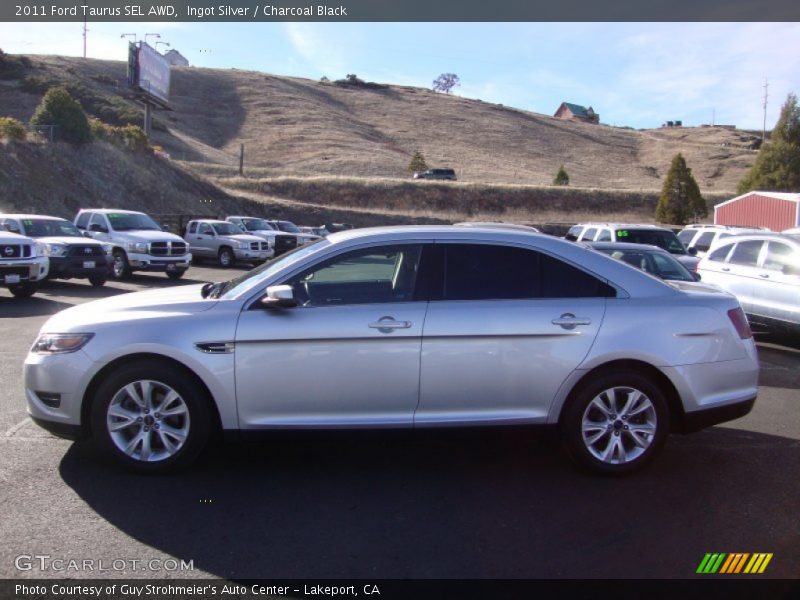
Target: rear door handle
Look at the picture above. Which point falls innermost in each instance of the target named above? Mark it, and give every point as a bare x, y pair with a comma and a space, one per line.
570, 321
764, 275
388, 324
726, 269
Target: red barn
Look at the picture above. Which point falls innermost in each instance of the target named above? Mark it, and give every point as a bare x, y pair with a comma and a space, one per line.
776, 210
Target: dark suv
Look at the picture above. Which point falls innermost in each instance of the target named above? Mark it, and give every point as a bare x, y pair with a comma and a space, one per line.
445, 174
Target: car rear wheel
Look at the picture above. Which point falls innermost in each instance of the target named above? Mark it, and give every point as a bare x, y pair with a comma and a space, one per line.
120, 268
226, 258
176, 274
97, 281
150, 417
616, 424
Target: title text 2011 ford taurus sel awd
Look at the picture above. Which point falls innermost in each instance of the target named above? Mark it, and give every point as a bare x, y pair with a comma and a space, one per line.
401, 327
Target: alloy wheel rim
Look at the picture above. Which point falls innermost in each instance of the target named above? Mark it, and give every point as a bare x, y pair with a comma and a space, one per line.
119, 265
225, 259
148, 421
619, 425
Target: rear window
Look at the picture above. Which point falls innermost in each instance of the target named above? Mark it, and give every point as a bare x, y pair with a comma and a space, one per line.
746, 253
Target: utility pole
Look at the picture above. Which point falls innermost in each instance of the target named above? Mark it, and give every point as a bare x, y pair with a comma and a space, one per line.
713, 117
764, 127
85, 30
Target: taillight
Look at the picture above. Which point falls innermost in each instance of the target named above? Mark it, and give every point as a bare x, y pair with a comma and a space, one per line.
739, 320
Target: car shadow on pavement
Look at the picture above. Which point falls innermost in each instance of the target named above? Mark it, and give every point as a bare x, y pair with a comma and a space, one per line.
499, 503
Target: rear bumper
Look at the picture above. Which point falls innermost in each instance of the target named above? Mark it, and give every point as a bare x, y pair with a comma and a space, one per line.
700, 419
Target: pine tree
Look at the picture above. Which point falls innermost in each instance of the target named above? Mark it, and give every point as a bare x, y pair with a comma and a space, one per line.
60, 109
777, 166
680, 200
417, 163
561, 177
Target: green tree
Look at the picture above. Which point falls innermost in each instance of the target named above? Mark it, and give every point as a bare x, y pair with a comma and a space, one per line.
62, 110
417, 162
561, 177
777, 166
680, 200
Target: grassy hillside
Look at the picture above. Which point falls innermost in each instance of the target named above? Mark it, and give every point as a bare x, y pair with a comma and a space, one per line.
301, 128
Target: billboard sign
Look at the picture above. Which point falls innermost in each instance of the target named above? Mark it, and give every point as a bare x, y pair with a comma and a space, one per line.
148, 71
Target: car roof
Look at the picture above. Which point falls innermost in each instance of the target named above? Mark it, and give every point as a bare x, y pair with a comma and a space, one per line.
766, 236
625, 226
27, 216
515, 226
625, 246
112, 210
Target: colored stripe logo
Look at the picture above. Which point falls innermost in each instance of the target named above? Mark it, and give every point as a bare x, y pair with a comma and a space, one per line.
734, 563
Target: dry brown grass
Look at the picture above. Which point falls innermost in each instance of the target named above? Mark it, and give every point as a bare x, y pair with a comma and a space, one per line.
302, 128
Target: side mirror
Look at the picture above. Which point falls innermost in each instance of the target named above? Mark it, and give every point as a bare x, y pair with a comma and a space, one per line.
279, 296
164, 227
97, 228
87, 234
692, 251
696, 276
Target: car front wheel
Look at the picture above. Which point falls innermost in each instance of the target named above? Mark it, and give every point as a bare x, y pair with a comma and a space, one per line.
150, 417
616, 424
120, 268
226, 258
23, 290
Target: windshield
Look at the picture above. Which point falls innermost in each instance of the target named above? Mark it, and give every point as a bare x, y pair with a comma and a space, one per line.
226, 229
256, 225
251, 279
288, 226
50, 228
663, 239
132, 221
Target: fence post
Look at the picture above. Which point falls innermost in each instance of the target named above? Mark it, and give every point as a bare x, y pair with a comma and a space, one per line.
241, 159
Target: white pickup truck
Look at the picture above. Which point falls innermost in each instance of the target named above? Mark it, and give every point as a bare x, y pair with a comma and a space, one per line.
21, 267
139, 243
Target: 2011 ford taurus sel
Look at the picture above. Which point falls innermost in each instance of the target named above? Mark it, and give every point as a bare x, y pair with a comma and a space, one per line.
401, 327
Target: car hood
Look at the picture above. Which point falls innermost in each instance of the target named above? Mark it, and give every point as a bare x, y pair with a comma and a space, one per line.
149, 304
150, 235
69, 240
243, 237
688, 261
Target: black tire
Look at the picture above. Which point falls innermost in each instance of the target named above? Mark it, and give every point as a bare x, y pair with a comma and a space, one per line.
616, 435
97, 280
198, 421
226, 258
176, 274
23, 290
120, 269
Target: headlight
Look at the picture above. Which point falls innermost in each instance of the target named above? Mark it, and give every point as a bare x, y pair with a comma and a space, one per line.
39, 249
136, 247
60, 343
54, 249
243, 245
271, 242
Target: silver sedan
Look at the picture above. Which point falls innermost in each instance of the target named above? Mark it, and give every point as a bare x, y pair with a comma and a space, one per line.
401, 327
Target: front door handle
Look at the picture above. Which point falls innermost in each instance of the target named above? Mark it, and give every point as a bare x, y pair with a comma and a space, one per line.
388, 324
570, 321
764, 275
726, 269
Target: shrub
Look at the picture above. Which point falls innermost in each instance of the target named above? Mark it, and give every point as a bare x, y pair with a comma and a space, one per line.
11, 129
131, 137
417, 162
13, 67
561, 177
59, 108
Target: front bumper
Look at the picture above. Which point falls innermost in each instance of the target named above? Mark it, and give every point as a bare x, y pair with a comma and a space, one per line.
253, 255
145, 262
66, 267
24, 270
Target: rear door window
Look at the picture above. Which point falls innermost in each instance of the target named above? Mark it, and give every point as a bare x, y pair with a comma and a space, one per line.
703, 242
589, 234
746, 253
782, 257
83, 220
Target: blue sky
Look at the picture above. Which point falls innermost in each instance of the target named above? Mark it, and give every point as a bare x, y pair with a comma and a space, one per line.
633, 74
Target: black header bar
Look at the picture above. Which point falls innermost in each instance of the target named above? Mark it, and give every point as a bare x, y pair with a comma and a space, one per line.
401, 10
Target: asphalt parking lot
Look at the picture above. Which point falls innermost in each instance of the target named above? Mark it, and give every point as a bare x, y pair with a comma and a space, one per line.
502, 503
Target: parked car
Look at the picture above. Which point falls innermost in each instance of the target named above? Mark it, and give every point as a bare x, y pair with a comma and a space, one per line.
400, 327
22, 267
225, 242
635, 234
650, 259
763, 272
281, 242
442, 174
72, 256
138, 242
289, 227
515, 226
317, 231
702, 237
